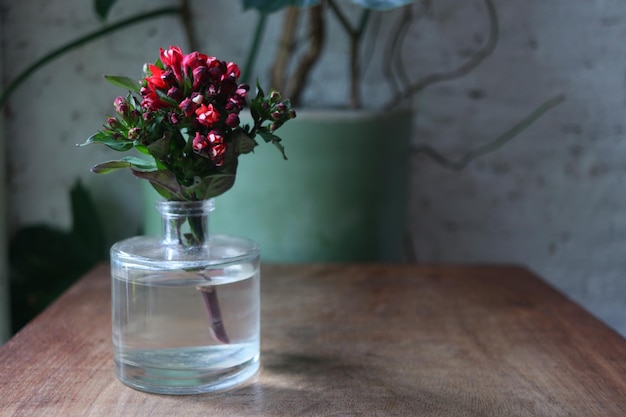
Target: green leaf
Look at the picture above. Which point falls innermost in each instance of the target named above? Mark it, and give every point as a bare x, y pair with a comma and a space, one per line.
244, 143
136, 164
164, 181
87, 229
124, 82
142, 149
280, 147
109, 166
108, 140
164, 97
209, 187
275, 140
260, 93
103, 7
160, 148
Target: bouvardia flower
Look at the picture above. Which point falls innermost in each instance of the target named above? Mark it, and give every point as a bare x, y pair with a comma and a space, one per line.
184, 116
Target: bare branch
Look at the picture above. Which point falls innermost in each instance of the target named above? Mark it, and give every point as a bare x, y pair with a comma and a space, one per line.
490, 146
343, 20
186, 16
316, 36
464, 69
286, 46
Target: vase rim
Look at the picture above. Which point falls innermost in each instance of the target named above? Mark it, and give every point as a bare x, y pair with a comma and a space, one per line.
185, 208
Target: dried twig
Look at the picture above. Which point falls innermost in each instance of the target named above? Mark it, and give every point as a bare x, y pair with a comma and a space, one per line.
286, 46
186, 16
459, 72
490, 146
394, 69
316, 36
355, 35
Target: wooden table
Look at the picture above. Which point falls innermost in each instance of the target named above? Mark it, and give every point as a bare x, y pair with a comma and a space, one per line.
349, 340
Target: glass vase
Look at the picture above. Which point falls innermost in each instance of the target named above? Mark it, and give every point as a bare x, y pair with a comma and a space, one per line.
185, 306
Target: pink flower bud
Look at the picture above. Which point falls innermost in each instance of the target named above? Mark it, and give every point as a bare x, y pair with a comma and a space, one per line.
216, 73
175, 93
121, 106
174, 118
188, 107
200, 77
134, 133
232, 120
274, 96
169, 78
112, 122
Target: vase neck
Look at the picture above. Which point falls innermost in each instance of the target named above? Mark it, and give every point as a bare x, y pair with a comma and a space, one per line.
185, 223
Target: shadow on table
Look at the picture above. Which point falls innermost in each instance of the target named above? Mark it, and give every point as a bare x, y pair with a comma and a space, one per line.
306, 385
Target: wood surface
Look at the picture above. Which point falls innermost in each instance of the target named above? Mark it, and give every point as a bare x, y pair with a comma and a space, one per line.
349, 340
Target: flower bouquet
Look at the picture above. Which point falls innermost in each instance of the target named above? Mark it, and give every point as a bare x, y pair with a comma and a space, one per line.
186, 118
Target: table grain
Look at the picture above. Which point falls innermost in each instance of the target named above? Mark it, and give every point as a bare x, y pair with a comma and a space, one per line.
349, 340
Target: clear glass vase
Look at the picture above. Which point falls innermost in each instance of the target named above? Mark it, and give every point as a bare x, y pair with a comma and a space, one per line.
186, 306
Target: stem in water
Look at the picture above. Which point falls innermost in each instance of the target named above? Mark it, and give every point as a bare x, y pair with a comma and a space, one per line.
209, 295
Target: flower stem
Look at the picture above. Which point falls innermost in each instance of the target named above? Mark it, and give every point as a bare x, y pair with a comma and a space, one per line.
24, 75
209, 295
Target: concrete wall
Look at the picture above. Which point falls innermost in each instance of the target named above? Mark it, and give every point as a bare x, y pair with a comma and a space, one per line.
550, 200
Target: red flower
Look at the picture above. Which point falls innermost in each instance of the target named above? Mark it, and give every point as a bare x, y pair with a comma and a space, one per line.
152, 102
155, 81
207, 115
173, 58
232, 70
199, 142
212, 146
193, 60
218, 147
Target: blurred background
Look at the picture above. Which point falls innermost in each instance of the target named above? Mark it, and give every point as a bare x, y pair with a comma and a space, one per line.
551, 199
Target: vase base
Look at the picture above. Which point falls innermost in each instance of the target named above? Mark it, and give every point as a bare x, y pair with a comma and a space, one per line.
177, 381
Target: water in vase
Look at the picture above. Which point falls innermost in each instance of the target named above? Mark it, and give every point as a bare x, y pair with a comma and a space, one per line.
191, 329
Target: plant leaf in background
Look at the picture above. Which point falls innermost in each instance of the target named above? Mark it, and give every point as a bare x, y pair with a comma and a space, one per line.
382, 4
87, 231
46, 260
271, 6
103, 7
